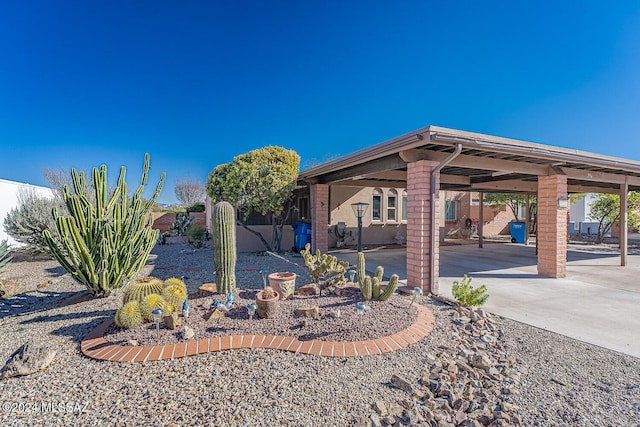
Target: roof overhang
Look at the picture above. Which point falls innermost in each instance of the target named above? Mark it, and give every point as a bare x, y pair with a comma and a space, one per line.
486, 163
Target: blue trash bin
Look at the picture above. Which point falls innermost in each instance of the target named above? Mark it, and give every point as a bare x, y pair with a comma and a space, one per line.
301, 235
518, 232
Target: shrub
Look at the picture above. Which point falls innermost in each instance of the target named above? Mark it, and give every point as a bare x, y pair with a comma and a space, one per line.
195, 235
26, 222
466, 295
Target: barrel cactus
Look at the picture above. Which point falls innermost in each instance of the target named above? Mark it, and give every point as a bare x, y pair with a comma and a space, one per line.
174, 295
150, 303
107, 238
139, 289
224, 244
129, 315
390, 289
175, 281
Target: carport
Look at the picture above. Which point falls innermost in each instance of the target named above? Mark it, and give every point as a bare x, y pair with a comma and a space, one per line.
435, 158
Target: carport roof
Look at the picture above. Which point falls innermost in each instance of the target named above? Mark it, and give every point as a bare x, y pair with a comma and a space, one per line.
486, 163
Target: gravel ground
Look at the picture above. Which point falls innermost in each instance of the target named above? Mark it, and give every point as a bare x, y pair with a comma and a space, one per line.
563, 381
385, 318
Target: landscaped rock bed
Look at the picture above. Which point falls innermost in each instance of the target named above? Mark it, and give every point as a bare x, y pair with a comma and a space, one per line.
338, 320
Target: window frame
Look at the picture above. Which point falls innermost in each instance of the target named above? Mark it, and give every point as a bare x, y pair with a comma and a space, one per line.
455, 210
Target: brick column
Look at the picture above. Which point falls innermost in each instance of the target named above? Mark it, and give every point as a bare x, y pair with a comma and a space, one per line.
552, 226
320, 217
419, 226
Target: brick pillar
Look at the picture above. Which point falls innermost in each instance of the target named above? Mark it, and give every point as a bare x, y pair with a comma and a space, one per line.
419, 226
552, 226
320, 217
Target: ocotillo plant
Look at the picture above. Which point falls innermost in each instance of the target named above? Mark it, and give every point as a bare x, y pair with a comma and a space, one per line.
224, 246
105, 242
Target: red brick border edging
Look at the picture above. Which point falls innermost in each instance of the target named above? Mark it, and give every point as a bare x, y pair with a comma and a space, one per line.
96, 347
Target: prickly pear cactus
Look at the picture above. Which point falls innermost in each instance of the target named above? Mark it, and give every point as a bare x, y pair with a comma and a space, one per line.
390, 289
224, 244
139, 289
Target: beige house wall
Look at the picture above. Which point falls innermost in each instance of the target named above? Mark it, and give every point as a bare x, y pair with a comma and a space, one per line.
373, 232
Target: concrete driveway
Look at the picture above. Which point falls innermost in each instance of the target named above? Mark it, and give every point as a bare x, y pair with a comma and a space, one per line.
598, 302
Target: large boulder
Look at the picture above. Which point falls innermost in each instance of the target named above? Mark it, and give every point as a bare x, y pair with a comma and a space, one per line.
31, 357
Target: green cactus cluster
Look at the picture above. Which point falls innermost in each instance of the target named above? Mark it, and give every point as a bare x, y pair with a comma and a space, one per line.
224, 246
371, 287
325, 265
107, 237
144, 295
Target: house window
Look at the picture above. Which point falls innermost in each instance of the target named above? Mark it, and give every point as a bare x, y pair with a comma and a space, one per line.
450, 211
392, 206
404, 205
376, 206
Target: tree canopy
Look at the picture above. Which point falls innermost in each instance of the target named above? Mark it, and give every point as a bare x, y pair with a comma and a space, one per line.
260, 181
605, 209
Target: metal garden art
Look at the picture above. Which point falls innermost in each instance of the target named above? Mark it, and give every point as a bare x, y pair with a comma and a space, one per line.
104, 242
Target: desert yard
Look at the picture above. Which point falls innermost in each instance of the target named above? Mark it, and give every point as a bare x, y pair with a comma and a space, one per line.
533, 377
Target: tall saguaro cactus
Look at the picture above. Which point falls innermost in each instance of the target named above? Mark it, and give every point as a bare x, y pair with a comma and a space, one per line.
224, 246
105, 241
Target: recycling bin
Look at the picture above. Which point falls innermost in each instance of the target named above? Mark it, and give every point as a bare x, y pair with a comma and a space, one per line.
301, 235
518, 232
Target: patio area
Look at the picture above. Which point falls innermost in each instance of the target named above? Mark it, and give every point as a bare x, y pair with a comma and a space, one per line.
596, 302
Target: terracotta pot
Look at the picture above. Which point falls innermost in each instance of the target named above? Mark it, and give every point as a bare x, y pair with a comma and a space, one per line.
267, 308
283, 283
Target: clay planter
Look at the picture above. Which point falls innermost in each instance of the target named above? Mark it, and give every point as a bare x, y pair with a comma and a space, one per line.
267, 308
283, 283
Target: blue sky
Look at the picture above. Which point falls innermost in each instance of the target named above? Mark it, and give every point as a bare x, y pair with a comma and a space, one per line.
195, 83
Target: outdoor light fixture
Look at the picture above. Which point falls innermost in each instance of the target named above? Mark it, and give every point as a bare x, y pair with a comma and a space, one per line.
416, 292
359, 209
563, 203
264, 277
360, 308
157, 315
251, 308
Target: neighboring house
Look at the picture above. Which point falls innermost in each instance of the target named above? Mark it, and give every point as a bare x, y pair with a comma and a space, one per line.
580, 221
462, 212
9, 191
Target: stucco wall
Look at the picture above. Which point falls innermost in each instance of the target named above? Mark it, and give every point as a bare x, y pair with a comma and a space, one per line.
496, 218
9, 200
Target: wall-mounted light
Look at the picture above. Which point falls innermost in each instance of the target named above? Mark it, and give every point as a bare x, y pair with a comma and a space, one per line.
563, 203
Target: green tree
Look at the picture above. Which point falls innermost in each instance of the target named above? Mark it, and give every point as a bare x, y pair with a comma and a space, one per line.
260, 181
605, 209
513, 201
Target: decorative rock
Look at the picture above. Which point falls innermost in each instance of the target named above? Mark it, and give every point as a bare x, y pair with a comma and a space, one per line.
389, 420
31, 357
401, 383
7, 288
349, 290
132, 342
188, 333
172, 322
375, 420
381, 408
208, 288
488, 338
309, 290
308, 311
207, 304
214, 315
480, 361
